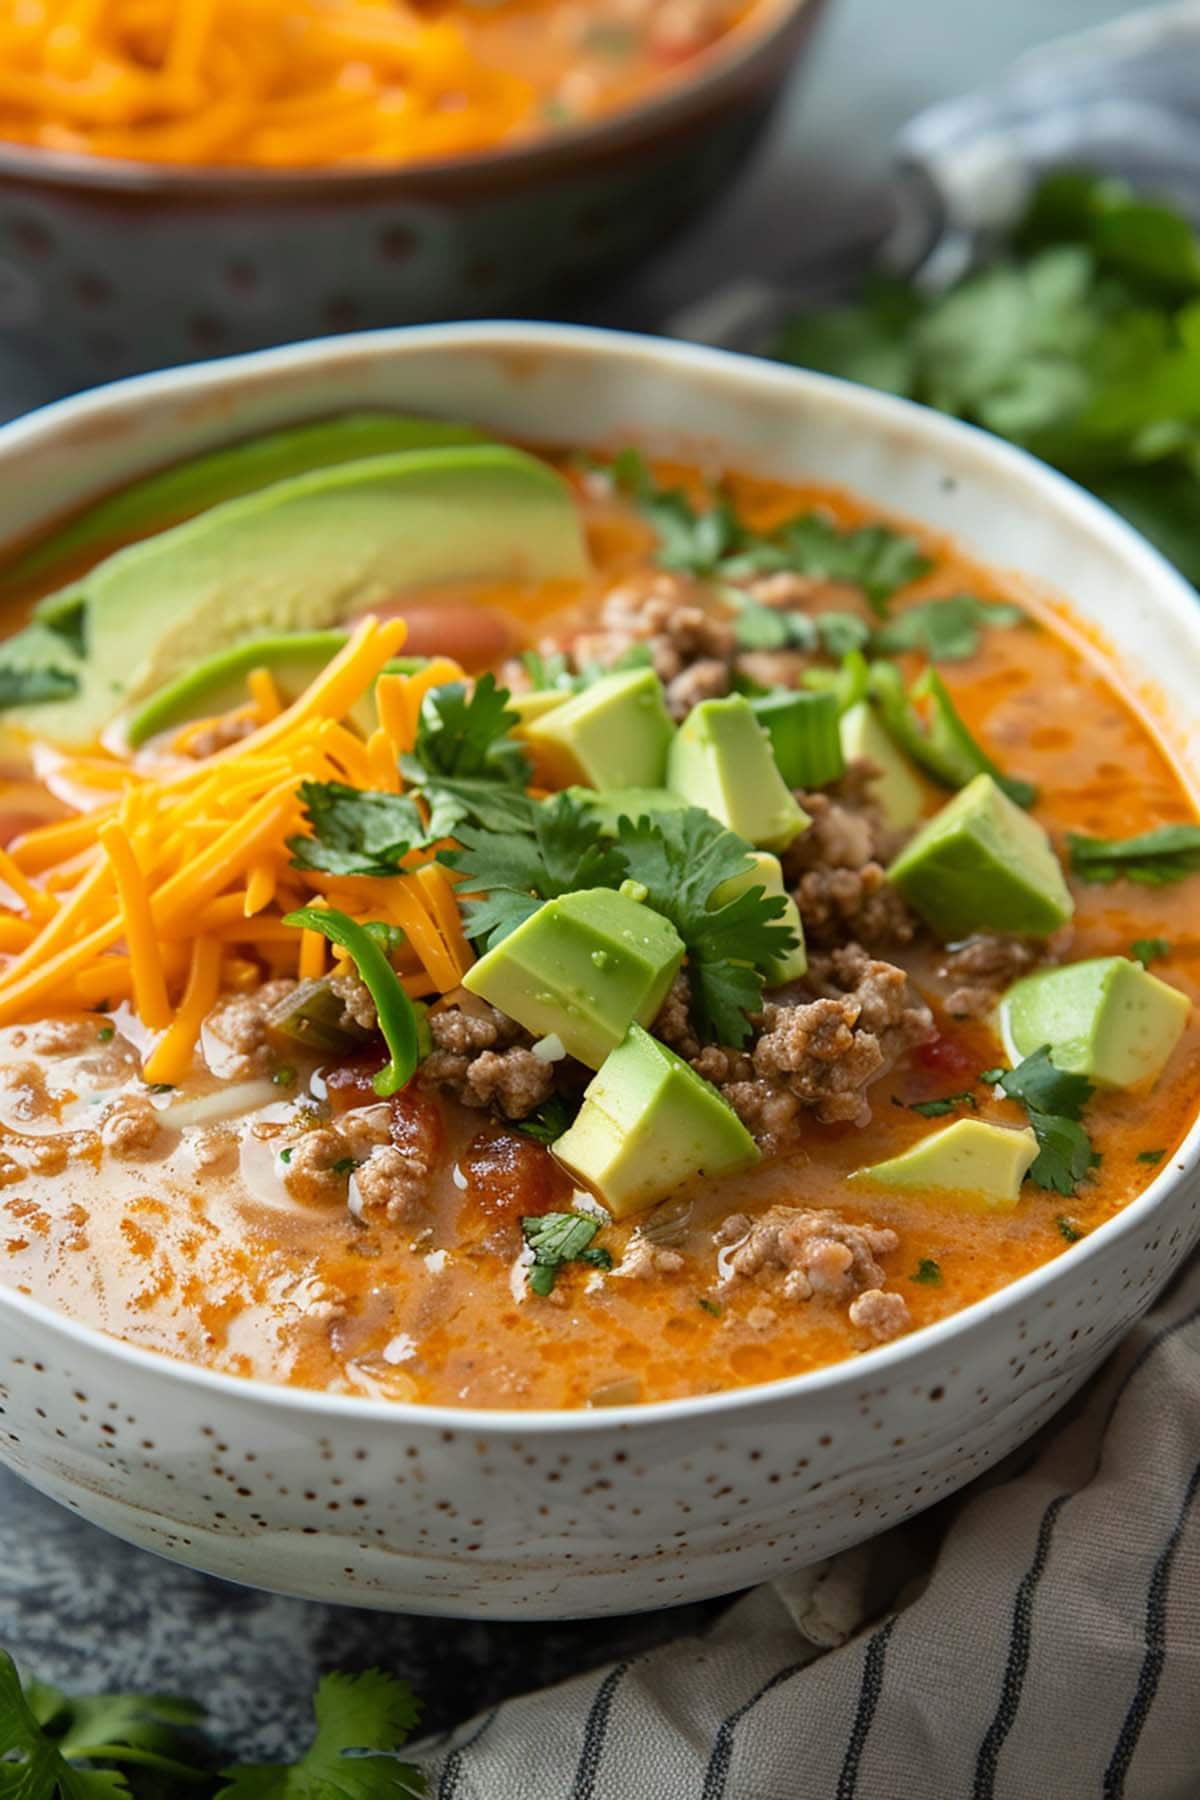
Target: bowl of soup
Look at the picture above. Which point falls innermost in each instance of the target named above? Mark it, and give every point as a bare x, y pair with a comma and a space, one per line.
598, 962
183, 181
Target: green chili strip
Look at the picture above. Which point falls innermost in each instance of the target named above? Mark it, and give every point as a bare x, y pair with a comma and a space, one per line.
396, 1013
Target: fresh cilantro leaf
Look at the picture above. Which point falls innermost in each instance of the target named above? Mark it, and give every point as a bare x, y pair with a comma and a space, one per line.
938, 1109
549, 1121
946, 630
362, 1721
773, 628
712, 1307
841, 634
681, 859
1054, 1100
689, 538
1038, 1086
941, 744
1068, 1229
355, 831
1153, 858
928, 1272
49, 1743
1148, 950
1065, 1155
1153, 1157
871, 557
491, 801
558, 1238
463, 730
512, 872
28, 687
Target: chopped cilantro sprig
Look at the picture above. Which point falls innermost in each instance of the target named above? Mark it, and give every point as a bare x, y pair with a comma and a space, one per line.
558, 1238
1054, 1100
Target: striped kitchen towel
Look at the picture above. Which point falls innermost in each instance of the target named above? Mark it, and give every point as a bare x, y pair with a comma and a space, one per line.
1044, 1646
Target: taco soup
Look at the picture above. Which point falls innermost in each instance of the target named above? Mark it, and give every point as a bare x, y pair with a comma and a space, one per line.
544, 930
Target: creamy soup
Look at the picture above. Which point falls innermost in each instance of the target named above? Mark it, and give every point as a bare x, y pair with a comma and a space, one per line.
525, 931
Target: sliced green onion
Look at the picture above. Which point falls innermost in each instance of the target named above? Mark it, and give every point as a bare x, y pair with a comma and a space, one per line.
849, 683
944, 747
395, 1011
803, 729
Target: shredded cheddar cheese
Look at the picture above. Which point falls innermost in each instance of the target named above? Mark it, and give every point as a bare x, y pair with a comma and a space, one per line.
182, 886
265, 83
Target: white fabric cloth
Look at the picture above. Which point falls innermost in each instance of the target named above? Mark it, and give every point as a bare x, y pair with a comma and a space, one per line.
1037, 1639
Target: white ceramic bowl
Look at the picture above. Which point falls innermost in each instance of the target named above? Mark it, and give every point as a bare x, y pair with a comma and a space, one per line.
542, 1514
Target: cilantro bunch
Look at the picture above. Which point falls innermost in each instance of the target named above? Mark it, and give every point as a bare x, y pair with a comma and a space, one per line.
118, 1746
1054, 1100
1080, 340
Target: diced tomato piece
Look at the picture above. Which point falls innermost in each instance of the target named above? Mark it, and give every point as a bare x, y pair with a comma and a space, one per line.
349, 1084
946, 1055
508, 1175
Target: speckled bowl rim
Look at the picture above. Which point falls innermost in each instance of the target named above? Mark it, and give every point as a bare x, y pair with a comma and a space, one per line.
962, 446
716, 68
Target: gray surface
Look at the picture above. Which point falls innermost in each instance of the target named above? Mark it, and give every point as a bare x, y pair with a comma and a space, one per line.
92, 1613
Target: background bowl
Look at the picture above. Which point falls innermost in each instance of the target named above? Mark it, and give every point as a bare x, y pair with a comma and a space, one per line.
107, 267
560, 1514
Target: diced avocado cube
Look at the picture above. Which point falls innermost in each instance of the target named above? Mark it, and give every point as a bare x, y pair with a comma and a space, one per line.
767, 874
615, 734
803, 729
981, 1164
721, 759
898, 791
647, 1124
582, 967
982, 864
1108, 1019
615, 804
535, 705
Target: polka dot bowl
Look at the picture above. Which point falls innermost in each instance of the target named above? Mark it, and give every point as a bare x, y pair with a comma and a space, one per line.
547, 1515
107, 266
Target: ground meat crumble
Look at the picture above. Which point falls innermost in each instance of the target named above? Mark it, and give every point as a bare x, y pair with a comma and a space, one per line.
819, 1048
234, 1035
799, 1254
690, 644
484, 1059
981, 968
837, 867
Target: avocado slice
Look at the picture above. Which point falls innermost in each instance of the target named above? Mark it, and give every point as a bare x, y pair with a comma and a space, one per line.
614, 734
534, 704
218, 684
983, 864
898, 791
767, 874
582, 968
721, 759
307, 553
1107, 1018
180, 492
803, 729
648, 1123
981, 1164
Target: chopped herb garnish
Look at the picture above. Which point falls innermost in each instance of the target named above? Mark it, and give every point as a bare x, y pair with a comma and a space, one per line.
946, 630
462, 729
548, 669
937, 1109
284, 1076
928, 1272
712, 1307
106, 1034
1054, 1100
1148, 950
355, 831
345, 1165
161, 1087
710, 541
513, 871
395, 1011
1068, 1229
549, 1121
285, 1156
1153, 858
558, 1238
681, 859
1150, 1156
